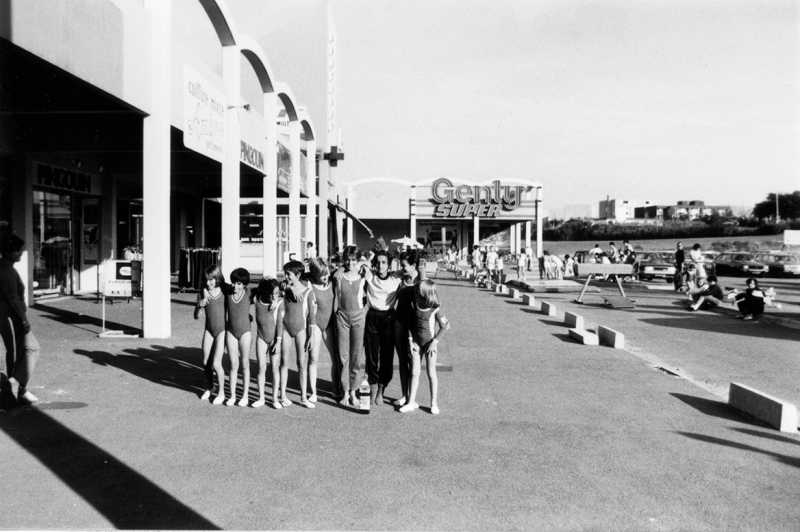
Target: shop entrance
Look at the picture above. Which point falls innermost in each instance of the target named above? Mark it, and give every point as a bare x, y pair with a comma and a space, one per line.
52, 244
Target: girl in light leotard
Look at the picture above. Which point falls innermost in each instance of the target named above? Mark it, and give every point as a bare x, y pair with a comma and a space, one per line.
423, 340
350, 320
298, 323
239, 337
269, 324
324, 327
211, 301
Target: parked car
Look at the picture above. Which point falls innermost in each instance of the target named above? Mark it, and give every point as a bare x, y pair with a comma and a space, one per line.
780, 263
738, 263
652, 264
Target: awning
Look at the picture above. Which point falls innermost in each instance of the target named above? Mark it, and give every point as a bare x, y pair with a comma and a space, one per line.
347, 213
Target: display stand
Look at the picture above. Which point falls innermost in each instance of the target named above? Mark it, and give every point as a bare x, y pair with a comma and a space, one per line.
121, 280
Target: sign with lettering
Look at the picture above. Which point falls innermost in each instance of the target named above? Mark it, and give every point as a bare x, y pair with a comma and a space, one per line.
63, 179
482, 201
204, 110
122, 278
251, 156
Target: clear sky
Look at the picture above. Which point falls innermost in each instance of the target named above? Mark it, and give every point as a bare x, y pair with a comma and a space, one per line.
656, 100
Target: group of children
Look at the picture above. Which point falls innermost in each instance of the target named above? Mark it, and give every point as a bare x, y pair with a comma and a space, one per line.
308, 307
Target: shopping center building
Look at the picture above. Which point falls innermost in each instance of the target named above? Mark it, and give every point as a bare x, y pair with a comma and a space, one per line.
121, 135
454, 213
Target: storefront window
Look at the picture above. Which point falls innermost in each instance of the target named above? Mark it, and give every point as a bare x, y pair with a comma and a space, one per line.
52, 243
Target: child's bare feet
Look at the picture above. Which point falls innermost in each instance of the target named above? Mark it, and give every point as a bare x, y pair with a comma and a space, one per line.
286, 402
259, 403
307, 404
218, 400
313, 398
353, 399
410, 407
206, 395
400, 402
343, 400
231, 401
243, 401
434, 409
276, 405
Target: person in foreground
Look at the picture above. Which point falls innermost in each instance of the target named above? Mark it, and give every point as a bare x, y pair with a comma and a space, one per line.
709, 297
423, 340
751, 302
22, 348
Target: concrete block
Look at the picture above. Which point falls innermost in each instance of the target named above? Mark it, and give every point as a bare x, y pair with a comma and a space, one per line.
611, 337
573, 321
516, 293
501, 289
548, 309
585, 337
529, 300
778, 413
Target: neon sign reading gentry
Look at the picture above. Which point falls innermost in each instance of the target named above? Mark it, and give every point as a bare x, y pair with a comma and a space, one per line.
482, 201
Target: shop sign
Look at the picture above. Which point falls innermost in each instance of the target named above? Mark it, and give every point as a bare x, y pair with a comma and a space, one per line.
122, 278
251, 157
63, 179
203, 116
482, 201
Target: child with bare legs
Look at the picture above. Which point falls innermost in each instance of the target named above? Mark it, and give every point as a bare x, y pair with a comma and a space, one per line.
298, 322
423, 341
239, 336
211, 302
269, 324
324, 327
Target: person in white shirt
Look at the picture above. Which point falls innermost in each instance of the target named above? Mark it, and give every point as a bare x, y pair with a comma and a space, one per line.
491, 261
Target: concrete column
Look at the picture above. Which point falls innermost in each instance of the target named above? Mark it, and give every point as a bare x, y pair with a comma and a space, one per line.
231, 77
412, 230
539, 243
311, 204
108, 224
351, 237
528, 227
322, 236
476, 226
270, 189
512, 237
156, 152
295, 244
199, 222
520, 247
444, 238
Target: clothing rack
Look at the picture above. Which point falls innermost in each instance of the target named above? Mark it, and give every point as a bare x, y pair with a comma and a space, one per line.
192, 265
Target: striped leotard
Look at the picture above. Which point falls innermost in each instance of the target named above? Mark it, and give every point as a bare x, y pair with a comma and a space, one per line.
238, 313
215, 313
325, 306
297, 313
268, 324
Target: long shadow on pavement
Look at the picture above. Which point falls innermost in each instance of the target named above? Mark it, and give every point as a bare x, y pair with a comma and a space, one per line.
70, 317
748, 328
123, 496
711, 407
768, 435
788, 460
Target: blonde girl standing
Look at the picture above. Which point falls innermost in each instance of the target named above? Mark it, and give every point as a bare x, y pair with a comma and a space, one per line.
324, 327
211, 302
423, 341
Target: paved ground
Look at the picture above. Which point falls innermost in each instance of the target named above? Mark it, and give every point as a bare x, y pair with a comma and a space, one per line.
536, 432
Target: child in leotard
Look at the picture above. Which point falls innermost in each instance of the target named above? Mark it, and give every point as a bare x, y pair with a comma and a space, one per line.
239, 337
298, 323
211, 301
423, 340
269, 324
350, 321
324, 327
409, 263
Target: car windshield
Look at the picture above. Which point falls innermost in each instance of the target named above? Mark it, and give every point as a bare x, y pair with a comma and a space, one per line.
654, 257
742, 256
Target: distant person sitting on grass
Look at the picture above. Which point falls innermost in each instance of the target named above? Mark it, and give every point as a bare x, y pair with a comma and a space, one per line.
709, 297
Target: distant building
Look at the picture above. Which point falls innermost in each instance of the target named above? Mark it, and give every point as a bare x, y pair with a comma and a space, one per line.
683, 210
618, 210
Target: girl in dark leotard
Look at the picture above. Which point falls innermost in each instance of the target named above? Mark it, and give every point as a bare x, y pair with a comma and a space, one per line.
423, 339
269, 324
324, 327
239, 337
211, 301
409, 261
298, 320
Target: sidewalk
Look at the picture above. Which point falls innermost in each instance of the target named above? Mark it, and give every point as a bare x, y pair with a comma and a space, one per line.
536, 432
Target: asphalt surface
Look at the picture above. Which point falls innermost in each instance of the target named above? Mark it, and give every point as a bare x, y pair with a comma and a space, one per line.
535, 431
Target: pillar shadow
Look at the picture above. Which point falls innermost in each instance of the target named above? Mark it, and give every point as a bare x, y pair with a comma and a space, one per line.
768, 435
123, 496
75, 319
714, 408
788, 460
